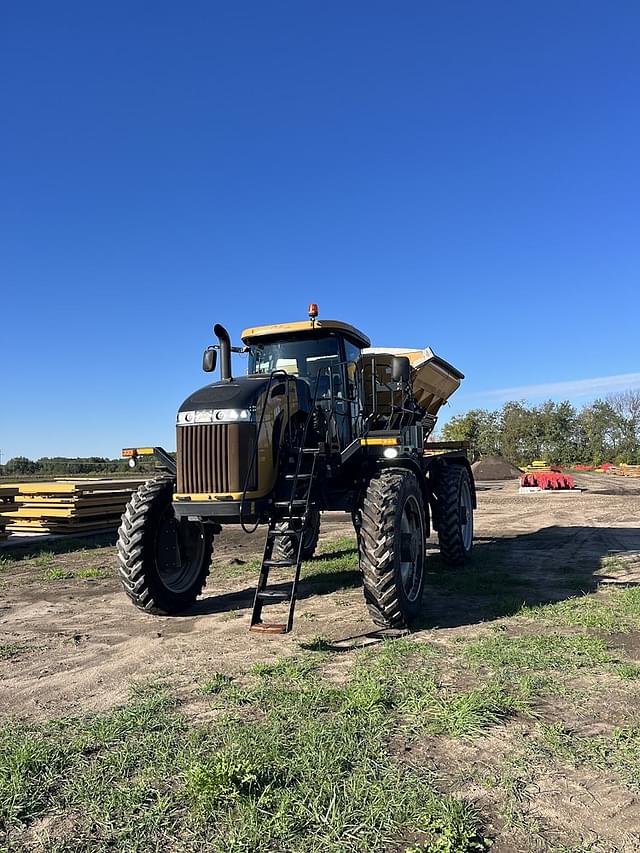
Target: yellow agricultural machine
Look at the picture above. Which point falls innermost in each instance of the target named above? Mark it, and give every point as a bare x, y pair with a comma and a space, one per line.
320, 422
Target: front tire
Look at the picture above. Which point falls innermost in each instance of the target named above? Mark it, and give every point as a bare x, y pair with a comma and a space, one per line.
392, 547
455, 507
163, 566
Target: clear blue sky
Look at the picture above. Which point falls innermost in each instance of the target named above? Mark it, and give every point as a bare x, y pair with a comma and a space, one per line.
460, 175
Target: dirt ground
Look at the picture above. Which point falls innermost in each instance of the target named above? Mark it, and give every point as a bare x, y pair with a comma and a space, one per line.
83, 643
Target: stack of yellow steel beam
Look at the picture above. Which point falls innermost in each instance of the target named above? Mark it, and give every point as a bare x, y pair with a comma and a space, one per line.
69, 506
7, 504
628, 470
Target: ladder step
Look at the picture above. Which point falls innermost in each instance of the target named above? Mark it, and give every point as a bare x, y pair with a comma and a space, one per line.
279, 564
273, 595
297, 476
273, 534
269, 627
307, 450
296, 502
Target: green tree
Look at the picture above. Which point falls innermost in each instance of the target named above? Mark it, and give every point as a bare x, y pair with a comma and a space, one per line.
20, 465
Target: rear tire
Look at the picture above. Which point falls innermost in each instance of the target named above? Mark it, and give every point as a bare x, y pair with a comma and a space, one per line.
455, 505
286, 547
392, 547
163, 567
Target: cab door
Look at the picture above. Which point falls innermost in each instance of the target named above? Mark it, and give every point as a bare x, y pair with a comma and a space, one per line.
353, 408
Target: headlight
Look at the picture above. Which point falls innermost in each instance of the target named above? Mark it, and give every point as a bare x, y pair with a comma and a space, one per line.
213, 416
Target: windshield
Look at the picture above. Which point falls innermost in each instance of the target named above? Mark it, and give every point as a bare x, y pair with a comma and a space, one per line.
303, 357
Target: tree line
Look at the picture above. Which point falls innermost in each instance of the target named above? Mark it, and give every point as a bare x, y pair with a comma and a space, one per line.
606, 430
64, 466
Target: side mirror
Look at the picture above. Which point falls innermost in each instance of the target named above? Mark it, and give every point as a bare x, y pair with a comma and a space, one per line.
209, 360
400, 368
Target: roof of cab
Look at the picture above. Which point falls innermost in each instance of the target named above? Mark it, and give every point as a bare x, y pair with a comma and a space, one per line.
279, 329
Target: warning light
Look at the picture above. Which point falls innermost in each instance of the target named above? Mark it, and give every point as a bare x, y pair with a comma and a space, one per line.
313, 311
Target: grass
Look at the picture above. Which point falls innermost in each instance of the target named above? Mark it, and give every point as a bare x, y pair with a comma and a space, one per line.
618, 751
469, 713
9, 650
6, 561
628, 671
59, 573
92, 573
616, 609
334, 566
35, 552
44, 558
292, 761
302, 765
216, 684
56, 573
535, 653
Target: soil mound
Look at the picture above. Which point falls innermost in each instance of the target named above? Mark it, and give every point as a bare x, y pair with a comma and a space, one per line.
494, 468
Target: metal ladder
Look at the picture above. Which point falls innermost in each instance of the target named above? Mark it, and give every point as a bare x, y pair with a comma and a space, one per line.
295, 511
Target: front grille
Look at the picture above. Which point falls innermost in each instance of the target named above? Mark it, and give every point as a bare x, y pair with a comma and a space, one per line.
215, 458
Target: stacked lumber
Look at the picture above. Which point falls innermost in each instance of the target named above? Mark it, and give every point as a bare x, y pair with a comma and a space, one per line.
628, 470
7, 504
69, 506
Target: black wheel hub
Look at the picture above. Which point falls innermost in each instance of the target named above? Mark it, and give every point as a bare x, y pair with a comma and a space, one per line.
179, 551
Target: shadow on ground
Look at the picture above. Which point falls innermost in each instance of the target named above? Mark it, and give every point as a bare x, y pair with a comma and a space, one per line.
17, 551
551, 564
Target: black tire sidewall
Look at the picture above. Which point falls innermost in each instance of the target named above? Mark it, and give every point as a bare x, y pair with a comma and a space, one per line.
163, 599
380, 549
409, 488
450, 536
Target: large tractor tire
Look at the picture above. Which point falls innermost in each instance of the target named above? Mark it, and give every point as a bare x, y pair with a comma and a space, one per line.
286, 547
163, 564
455, 506
392, 547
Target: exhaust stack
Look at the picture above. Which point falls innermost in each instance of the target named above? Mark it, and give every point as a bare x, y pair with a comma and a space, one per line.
225, 351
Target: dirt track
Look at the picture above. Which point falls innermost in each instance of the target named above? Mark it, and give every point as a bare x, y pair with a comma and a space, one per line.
82, 643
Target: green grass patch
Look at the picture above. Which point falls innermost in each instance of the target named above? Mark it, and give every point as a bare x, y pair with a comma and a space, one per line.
92, 573
618, 751
6, 561
56, 573
340, 543
534, 653
216, 684
43, 558
317, 644
288, 669
59, 573
335, 567
302, 766
9, 650
629, 671
467, 713
615, 609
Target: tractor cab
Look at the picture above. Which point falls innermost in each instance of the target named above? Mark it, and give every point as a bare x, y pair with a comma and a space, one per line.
324, 355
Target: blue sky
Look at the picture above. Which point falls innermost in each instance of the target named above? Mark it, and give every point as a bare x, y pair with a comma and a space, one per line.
460, 175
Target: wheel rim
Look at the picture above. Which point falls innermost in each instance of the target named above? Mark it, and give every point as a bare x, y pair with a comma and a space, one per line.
466, 515
411, 549
178, 557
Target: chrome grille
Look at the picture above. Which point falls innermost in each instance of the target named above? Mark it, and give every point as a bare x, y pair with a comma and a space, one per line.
214, 458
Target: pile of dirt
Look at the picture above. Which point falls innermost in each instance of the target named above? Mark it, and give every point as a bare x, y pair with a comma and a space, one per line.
494, 468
